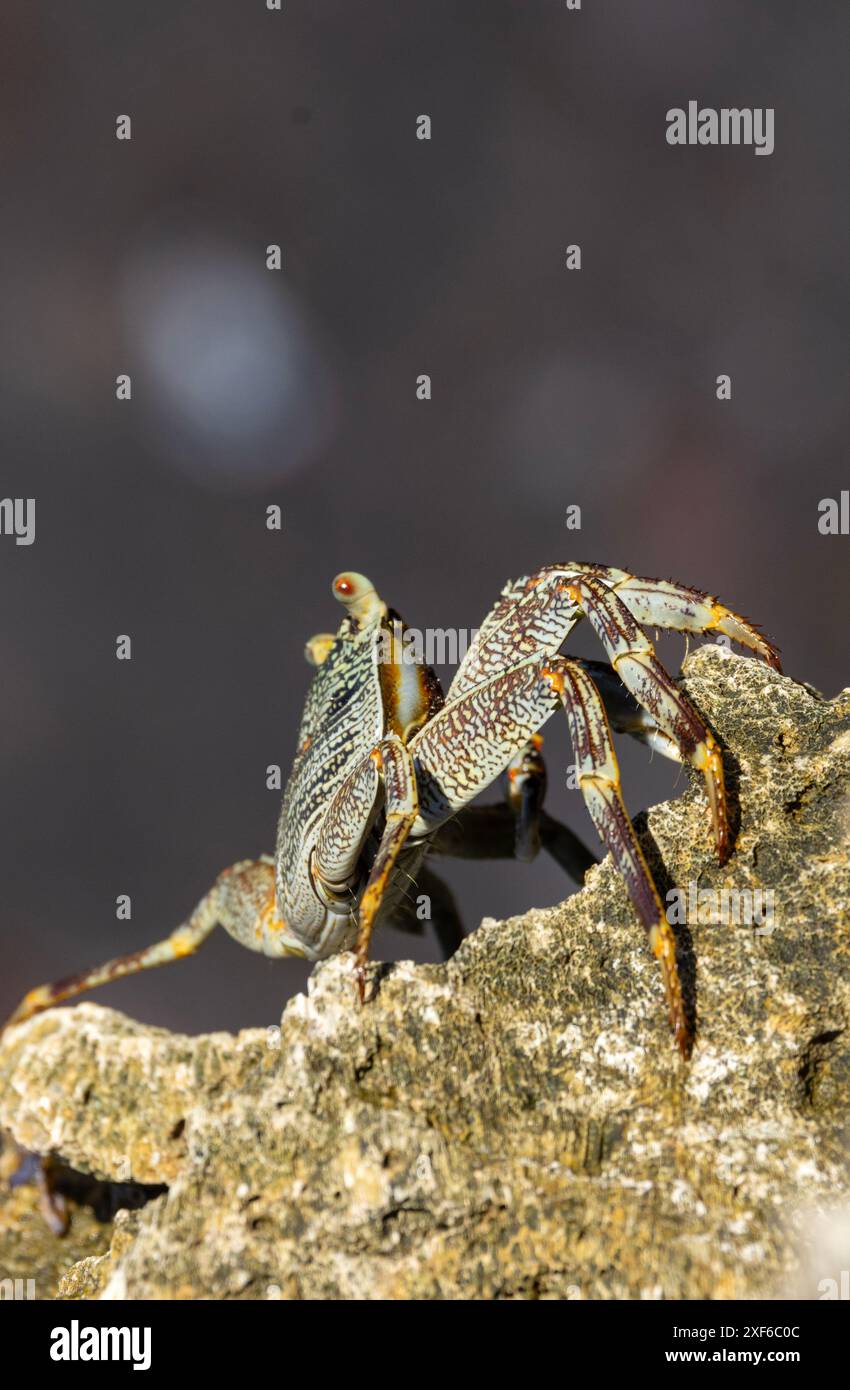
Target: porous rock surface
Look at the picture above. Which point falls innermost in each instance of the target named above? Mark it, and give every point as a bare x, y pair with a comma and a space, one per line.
516, 1122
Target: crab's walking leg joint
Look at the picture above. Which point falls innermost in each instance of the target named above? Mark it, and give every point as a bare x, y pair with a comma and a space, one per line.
525, 778
634, 660
241, 900
401, 809
533, 616
624, 713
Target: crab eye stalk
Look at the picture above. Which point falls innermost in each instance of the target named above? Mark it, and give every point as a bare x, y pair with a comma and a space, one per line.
350, 586
358, 595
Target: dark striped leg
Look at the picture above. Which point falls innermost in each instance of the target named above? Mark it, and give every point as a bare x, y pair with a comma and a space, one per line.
444, 917
525, 790
599, 778
633, 658
489, 832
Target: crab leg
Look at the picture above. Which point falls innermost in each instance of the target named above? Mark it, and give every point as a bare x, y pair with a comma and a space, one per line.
599, 779
463, 747
489, 832
525, 789
624, 713
444, 916
349, 819
658, 603
533, 616
633, 658
242, 900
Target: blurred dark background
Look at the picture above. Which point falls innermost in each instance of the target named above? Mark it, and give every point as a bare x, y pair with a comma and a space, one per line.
249, 388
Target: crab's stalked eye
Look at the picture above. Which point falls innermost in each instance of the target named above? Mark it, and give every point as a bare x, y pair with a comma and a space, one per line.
350, 586
358, 594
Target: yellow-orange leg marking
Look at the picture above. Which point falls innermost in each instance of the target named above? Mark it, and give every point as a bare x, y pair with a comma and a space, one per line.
663, 944
396, 770
395, 833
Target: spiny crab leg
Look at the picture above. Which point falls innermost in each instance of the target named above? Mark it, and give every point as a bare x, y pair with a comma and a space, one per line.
465, 745
633, 658
599, 779
658, 603
624, 713
536, 613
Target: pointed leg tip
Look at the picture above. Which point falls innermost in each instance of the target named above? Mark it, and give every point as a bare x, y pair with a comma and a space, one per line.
722, 841
33, 1003
663, 945
55, 1212
709, 760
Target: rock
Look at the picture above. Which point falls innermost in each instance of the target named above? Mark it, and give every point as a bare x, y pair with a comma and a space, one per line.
516, 1122
32, 1260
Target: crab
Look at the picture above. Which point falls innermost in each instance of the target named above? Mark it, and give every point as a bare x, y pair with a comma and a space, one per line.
387, 768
